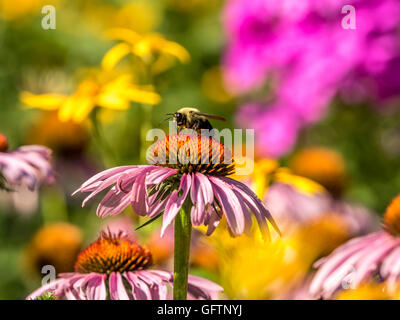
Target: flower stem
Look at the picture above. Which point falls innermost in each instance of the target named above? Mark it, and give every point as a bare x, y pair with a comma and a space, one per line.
182, 233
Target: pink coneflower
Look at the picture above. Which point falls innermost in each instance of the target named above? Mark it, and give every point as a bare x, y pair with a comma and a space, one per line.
26, 166
116, 268
362, 259
180, 175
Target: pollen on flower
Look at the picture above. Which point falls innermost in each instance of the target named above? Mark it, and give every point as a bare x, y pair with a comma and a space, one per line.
113, 253
391, 219
322, 165
3, 143
192, 153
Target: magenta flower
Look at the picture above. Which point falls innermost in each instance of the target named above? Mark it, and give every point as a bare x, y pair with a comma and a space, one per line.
301, 49
26, 166
116, 268
163, 188
362, 259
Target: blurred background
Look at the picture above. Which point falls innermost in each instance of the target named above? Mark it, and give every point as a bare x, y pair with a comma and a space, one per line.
323, 101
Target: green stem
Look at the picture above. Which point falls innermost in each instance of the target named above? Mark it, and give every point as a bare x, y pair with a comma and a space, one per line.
182, 233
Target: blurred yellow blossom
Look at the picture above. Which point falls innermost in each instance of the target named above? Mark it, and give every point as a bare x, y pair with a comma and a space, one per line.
251, 268
366, 291
17, 9
99, 88
141, 15
152, 48
321, 235
267, 171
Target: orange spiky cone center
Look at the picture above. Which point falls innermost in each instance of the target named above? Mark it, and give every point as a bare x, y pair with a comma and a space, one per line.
113, 254
391, 219
192, 154
3, 143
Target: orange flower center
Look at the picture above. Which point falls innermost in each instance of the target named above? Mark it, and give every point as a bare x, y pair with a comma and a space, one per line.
192, 153
3, 143
322, 165
391, 219
113, 254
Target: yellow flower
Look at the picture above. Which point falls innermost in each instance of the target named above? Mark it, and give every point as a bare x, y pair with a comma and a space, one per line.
251, 268
366, 291
18, 9
99, 15
102, 89
152, 48
320, 236
267, 171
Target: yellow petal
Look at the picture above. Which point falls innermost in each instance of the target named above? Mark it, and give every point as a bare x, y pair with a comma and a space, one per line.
164, 62
142, 96
51, 101
83, 106
176, 50
113, 100
142, 48
76, 108
114, 55
302, 184
66, 110
123, 34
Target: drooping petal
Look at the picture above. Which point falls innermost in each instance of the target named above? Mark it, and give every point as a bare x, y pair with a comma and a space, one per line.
113, 203
229, 204
96, 288
175, 201
116, 287
140, 290
201, 195
114, 55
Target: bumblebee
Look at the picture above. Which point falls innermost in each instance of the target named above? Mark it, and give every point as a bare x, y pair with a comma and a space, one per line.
192, 118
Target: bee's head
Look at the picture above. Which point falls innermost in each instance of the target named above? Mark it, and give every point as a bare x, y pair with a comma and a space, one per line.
179, 118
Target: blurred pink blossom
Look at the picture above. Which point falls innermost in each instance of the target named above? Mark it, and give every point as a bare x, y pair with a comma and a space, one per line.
302, 47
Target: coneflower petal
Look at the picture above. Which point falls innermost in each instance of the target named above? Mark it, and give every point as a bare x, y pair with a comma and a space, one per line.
113, 203
229, 204
117, 288
176, 201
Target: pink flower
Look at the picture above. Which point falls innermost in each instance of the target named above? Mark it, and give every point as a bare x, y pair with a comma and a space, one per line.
27, 166
114, 267
362, 259
157, 189
308, 58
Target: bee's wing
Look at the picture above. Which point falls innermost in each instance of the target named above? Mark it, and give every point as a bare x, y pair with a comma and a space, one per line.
211, 116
